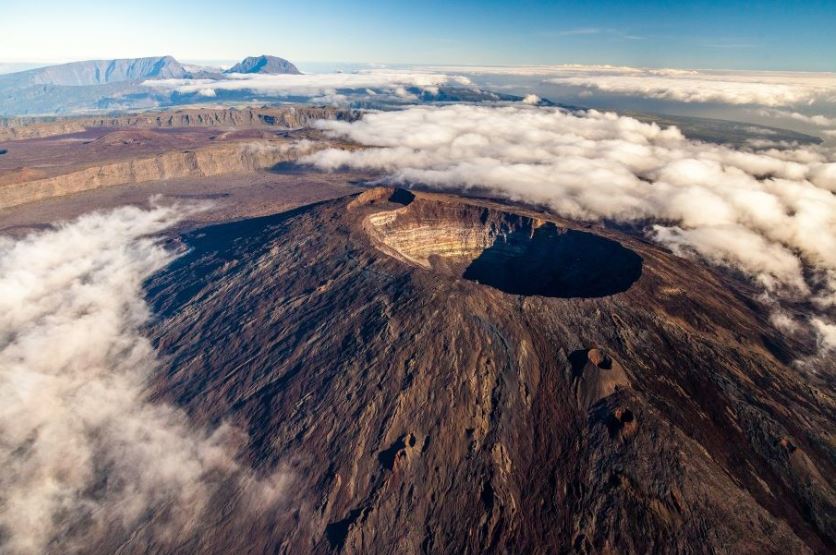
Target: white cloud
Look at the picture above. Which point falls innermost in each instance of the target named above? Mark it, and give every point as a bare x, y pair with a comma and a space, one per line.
785, 322
73, 406
580, 31
818, 120
766, 88
313, 85
771, 213
535, 70
722, 88
827, 333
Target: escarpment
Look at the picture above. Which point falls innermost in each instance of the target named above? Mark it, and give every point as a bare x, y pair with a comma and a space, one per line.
280, 117
54, 157
19, 187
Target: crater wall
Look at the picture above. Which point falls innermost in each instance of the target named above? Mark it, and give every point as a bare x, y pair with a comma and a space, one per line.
510, 252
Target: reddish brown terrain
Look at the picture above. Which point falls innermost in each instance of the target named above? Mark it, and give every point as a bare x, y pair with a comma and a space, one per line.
433, 385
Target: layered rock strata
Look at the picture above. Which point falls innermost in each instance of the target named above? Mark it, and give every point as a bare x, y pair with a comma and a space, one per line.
211, 160
282, 117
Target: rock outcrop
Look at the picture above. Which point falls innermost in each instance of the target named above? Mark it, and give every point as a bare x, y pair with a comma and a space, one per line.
597, 376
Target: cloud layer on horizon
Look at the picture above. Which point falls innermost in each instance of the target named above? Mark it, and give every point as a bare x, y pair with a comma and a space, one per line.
815, 120
793, 96
764, 88
83, 451
771, 214
324, 84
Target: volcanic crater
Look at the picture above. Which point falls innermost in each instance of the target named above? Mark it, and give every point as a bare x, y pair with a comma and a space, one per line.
417, 412
513, 253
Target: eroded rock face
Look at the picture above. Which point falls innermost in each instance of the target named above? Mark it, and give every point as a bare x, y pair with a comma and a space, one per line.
515, 254
20, 187
283, 117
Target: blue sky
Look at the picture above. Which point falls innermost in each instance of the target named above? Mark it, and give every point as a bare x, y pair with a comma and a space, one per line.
787, 34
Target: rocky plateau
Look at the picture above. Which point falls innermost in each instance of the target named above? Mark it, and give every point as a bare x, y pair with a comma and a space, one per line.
66, 157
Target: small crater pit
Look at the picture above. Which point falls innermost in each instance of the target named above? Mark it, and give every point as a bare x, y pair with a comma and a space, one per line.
397, 453
595, 376
513, 253
622, 422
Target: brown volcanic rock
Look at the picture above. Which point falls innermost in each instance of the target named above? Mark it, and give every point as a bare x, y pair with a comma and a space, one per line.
597, 377
420, 409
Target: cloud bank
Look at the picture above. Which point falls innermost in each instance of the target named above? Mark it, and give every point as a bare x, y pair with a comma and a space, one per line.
770, 89
83, 452
771, 214
815, 120
764, 88
311, 85
740, 89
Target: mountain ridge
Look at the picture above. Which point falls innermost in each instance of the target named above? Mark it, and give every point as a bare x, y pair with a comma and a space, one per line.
264, 64
98, 72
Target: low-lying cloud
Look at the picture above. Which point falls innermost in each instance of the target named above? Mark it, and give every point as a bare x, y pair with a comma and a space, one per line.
816, 120
324, 84
764, 88
769, 89
771, 214
82, 449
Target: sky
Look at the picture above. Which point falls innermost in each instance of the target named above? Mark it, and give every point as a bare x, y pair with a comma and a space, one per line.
786, 35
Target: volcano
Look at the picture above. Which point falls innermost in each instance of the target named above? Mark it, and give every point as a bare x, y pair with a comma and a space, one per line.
445, 375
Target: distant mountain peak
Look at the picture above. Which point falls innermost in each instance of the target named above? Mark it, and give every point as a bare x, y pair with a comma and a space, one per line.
264, 64
99, 72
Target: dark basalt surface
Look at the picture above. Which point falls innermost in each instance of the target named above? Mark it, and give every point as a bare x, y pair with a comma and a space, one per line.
419, 412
